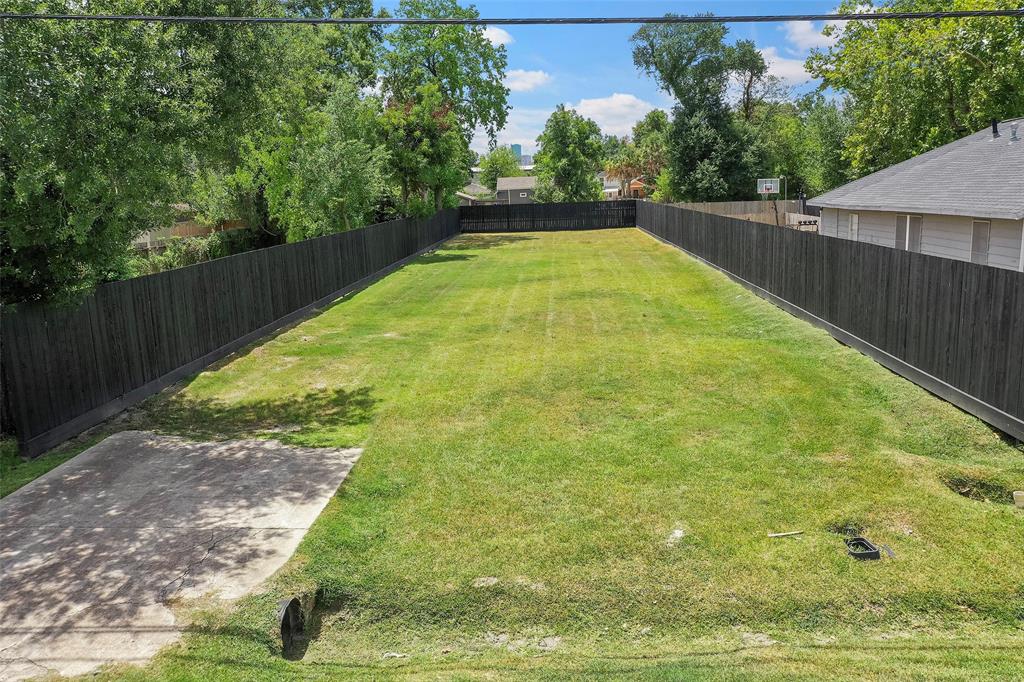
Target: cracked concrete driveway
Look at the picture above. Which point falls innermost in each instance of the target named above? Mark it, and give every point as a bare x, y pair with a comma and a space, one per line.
92, 552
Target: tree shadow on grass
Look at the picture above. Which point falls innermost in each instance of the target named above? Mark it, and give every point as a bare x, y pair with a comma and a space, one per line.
475, 241
214, 419
439, 257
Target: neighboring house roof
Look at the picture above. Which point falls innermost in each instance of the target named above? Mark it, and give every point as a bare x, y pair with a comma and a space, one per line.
978, 175
475, 188
524, 182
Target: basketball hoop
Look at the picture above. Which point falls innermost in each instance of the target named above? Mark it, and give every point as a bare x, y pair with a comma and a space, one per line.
766, 186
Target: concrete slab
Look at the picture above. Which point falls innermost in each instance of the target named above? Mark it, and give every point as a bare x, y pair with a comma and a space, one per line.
92, 552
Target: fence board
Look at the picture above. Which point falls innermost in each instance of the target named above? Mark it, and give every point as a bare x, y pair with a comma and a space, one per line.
953, 327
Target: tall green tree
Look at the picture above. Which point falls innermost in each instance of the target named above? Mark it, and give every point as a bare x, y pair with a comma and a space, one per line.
654, 124
429, 156
612, 146
460, 60
99, 123
352, 52
650, 135
689, 61
309, 62
749, 72
712, 159
569, 157
825, 127
336, 172
500, 163
913, 86
710, 156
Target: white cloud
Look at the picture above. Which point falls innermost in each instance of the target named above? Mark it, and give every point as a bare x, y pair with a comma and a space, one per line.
498, 36
807, 35
615, 114
790, 71
523, 127
518, 80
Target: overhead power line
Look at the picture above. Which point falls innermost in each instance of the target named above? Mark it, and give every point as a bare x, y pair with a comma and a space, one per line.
691, 19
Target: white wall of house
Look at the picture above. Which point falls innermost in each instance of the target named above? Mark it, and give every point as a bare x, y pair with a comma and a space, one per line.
941, 235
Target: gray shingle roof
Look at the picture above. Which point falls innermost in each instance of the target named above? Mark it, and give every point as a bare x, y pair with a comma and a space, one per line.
524, 182
977, 176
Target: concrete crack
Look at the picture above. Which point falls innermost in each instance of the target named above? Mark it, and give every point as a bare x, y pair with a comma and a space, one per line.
179, 582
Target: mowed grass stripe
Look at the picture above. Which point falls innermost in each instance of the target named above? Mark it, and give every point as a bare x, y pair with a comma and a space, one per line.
542, 412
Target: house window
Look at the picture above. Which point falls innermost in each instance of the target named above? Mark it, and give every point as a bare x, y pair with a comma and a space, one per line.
908, 233
981, 234
854, 226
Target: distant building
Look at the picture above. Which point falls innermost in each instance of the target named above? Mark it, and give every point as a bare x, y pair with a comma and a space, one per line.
636, 189
517, 149
526, 160
184, 225
612, 189
964, 200
475, 194
516, 190
475, 189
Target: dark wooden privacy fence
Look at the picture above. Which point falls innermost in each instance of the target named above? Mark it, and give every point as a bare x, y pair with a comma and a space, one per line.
65, 369
547, 217
953, 327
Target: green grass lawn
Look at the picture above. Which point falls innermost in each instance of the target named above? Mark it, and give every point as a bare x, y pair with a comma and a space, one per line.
576, 445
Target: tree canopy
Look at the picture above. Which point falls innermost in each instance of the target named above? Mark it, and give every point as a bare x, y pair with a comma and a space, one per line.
500, 163
913, 86
467, 68
99, 120
709, 155
569, 157
429, 154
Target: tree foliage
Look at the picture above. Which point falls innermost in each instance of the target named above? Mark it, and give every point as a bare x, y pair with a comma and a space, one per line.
428, 152
99, 120
500, 163
460, 60
569, 157
913, 86
749, 72
689, 61
803, 141
710, 155
652, 126
331, 180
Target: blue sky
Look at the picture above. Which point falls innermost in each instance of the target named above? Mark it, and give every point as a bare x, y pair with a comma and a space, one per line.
591, 67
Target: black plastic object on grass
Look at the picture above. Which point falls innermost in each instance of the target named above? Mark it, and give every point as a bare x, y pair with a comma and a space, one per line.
289, 615
862, 548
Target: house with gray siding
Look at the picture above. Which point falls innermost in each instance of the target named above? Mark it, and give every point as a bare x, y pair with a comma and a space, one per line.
964, 200
517, 190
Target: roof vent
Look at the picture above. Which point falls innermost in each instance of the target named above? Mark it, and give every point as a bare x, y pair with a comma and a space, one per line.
1013, 132
995, 128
